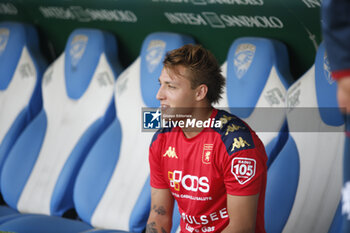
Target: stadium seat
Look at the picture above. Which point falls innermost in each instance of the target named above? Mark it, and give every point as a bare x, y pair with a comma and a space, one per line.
304, 181
257, 78
112, 190
21, 68
40, 171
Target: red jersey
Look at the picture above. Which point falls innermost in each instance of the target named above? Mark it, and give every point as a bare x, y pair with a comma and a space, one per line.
202, 170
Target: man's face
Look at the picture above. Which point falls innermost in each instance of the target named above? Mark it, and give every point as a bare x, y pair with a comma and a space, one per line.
175, 91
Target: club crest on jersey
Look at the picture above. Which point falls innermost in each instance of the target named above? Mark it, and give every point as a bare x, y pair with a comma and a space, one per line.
207, 152
243, 169
170, 153
243, 58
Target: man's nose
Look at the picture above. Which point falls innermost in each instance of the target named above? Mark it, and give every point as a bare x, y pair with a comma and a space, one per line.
160, 95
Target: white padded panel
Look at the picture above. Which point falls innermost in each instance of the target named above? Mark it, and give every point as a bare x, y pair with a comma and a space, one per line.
273, 89
67, 120
132, 169
18, 93
272, 96
320, 179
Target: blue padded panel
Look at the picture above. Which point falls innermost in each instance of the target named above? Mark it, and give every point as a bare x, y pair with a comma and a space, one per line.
140, 213
90, 186
62, 197
44, 224
281, 187
346, 172
153, 50
326, 89
337, 221
4, 210
252, 70
21, 160
82, 54
176, 218
11, 136
12, 39
104, 231
275, 146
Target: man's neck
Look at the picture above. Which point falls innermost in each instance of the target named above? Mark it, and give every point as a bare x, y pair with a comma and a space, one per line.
199, 114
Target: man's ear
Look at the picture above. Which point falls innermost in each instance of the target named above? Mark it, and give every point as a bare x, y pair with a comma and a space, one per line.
201, 92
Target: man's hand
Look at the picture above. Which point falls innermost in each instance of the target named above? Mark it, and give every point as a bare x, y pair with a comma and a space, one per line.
242, 212
162, 205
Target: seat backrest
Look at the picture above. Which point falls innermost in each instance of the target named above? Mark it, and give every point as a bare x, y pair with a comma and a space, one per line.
77, 106
257, 78
21, 69
304, 182
112, 189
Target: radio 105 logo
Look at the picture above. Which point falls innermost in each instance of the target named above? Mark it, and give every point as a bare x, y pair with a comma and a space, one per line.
151, 119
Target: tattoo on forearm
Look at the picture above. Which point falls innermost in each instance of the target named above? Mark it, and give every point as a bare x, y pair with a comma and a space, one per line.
159, 210
150, 228
163, 231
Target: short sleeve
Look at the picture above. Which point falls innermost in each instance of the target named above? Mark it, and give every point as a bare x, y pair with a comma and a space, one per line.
245, 172
157, 178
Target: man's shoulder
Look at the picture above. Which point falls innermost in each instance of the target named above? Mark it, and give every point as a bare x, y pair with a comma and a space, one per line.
159, 135
235, 134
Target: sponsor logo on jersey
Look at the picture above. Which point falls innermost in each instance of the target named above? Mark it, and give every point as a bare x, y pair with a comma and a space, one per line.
155, 51
188, 182
207, 151
239, 143
170, 153
243, 58
4, 37
232, 128
346, 200
205, 219
77, 48
243, 169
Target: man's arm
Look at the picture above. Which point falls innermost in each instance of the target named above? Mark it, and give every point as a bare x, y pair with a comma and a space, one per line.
242, 213
162, 205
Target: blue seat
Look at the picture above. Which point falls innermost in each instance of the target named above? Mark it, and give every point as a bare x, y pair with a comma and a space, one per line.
304, 181
21, 68
112, 190
257, 78
78, 104
121, 192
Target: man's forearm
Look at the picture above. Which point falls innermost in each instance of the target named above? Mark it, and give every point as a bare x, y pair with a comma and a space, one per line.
159, 221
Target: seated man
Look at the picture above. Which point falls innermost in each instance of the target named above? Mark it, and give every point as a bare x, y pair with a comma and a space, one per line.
209, 160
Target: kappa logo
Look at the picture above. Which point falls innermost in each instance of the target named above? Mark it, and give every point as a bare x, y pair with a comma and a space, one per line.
4, 37
155, 52
206, 156
327, 69
77, 48
232, 128
225, 119
243, 59
170, 153
243, 169
239, 143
